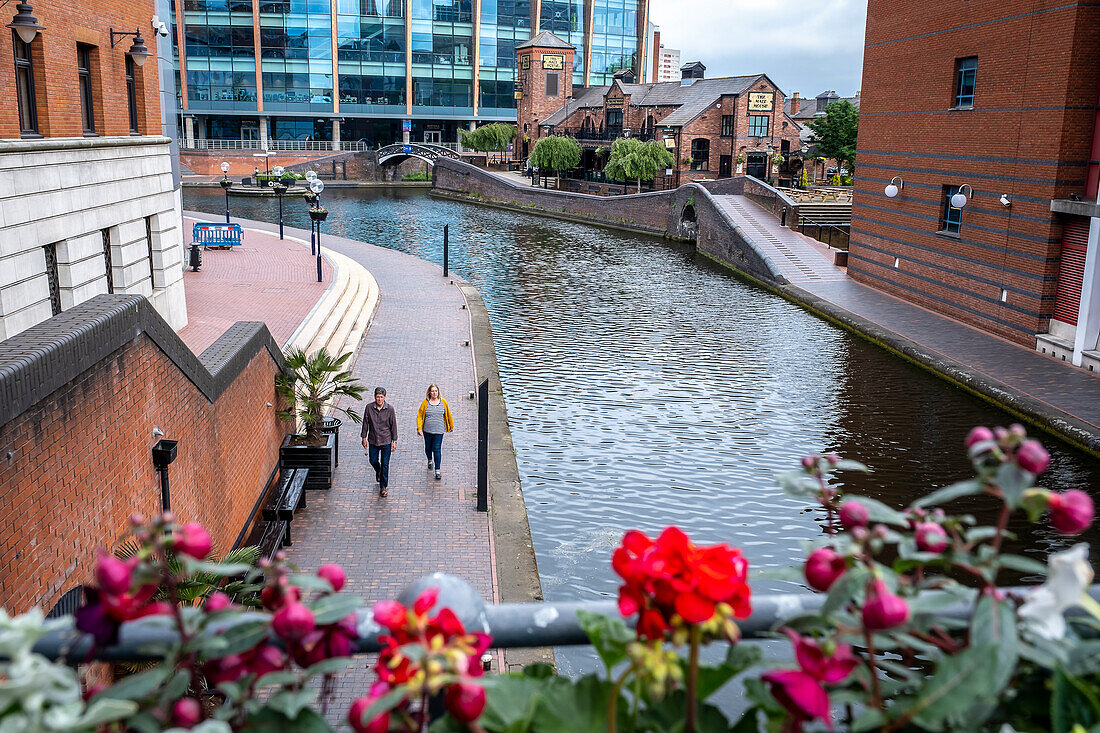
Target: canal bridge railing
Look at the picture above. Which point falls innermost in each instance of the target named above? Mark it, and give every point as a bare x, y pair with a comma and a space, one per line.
425, 151
511, 625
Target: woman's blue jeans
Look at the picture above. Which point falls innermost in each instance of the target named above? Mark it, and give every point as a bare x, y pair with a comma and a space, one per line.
433, 448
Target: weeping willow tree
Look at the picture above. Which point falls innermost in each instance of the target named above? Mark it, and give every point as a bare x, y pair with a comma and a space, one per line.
632, 160
556, 153
491, 138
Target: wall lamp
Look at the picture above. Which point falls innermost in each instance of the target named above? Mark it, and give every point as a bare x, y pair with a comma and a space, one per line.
959, 199
164, 452
138, 52
892, 188
25, 24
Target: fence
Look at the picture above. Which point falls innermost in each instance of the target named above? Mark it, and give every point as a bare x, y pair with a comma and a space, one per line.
272, 145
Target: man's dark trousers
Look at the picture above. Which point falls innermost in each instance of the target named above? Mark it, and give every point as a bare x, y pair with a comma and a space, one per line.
380, 459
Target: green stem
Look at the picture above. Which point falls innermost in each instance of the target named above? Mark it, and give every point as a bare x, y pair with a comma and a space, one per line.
692, 679
613, 698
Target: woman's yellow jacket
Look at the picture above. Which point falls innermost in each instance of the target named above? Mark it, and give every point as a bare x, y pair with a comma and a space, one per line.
448, 421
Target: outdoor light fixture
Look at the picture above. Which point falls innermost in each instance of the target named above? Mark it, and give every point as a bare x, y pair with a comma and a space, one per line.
1005, 202
278, 171
316, 185
138, 52
893, 188
959, 199
25, 24
310, 175
225, 167
164, 452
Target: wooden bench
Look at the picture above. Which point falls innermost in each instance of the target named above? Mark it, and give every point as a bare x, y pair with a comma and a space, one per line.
271, 537
288, 496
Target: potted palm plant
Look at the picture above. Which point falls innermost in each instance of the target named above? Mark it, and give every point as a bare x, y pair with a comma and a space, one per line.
314, 382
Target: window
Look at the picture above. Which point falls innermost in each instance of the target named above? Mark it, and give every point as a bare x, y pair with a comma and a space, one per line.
84, 75
131, 96
758, 125
614, 119
952, 217
52, 280
24, 87
106, 233
965, 71
700, 154
727, 125
551, 83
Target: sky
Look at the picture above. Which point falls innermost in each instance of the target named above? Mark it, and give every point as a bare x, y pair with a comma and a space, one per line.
805, 46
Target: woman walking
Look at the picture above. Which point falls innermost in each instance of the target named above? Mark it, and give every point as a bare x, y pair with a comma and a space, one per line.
432, 420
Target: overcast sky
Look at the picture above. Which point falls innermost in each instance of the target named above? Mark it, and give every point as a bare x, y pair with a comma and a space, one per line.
804, 46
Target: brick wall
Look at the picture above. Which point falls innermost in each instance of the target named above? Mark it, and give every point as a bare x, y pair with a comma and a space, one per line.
76, 464
1026, 136
243, 162
55, 68
535, 104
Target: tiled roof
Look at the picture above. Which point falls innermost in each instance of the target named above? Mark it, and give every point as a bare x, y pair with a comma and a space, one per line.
808, 107
590, 97
546, 39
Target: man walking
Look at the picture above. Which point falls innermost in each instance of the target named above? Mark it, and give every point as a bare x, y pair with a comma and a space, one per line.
380, 437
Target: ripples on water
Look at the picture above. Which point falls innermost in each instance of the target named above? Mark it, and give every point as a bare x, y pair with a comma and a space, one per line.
646, 388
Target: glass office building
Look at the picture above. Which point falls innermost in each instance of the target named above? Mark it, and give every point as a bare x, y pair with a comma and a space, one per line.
290, 69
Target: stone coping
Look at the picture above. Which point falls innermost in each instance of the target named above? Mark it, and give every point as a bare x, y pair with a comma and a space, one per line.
46, 144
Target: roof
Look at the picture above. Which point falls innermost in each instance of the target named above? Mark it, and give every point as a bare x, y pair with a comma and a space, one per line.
546, 39
807, 110
590, 98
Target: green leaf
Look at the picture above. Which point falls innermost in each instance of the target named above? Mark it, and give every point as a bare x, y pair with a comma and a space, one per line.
738, 659
1084, 658
105, 710
138, 686
291, 702
178, 686
879, 512
959, 681
869, 719
238, 638
511, 701
1014, 481
846, 464
667, 716
1022, 564
979, 534
994, 625
216, 569
331, 608
797, 484
949, 493
268, 719
845, 588
608, 635
577, 707
539, 671
1072, 703
277, 678
384, 704
329, 666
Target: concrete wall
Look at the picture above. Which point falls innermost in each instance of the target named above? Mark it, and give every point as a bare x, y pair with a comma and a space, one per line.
688, 212
64, 193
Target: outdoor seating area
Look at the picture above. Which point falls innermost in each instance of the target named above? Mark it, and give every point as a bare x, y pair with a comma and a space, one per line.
285, 497
820, 194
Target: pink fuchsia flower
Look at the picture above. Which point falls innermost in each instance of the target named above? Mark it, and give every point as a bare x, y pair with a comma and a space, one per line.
186, 713
1032, 457
381, 724
823, 567
390, 614
827, 668
978, 435
192, 540
809, 462
931, 537
465, 701
1071, 512
112, 575
853, 514
883, 609
217, 601
293, 621
334, 574
801, 696
266, 659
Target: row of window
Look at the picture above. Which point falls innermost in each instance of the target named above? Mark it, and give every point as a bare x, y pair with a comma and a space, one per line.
85, 75
53, 278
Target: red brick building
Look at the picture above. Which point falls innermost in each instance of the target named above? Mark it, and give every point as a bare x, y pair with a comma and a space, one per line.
715, 128
997, 103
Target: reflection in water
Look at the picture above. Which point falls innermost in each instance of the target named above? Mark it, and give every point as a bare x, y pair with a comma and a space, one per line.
646, 388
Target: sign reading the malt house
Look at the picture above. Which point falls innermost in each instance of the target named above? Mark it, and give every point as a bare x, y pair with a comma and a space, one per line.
761, 101
525, 62
614, 101
553, 61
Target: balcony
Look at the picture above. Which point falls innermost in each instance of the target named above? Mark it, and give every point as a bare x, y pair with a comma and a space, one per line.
592, 135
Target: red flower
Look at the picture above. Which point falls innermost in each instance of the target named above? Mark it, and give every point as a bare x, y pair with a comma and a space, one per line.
1071, 512
882, 609
812, 659
823, 567
801, 695
192, 540
464, 701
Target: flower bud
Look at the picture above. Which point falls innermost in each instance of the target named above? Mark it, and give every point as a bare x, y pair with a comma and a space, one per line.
381, 724
832, 458
293, 621
882, 609
977, 435
137, 519
217, 601
931, 537
860, 534
226, 669
334, 574
823, 567
1016, 430
880, 531
186, 713
194, 541
268, 658
809, 462
112, 574
1032, 457
464, 701
1000, 434
1071, 512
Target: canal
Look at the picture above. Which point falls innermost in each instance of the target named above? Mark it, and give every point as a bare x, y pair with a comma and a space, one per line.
646, 386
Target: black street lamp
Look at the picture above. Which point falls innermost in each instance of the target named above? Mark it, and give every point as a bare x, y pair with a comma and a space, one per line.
226, 183
279, 188
164, 452
317, 214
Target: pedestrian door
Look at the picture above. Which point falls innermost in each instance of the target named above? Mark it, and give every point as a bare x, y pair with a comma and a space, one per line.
432, 136
757, 166
250, 131
724, 166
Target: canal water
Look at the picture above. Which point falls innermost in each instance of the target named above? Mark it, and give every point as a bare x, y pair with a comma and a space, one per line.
646, 386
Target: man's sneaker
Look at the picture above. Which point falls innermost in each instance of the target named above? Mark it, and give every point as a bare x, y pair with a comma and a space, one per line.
438, 475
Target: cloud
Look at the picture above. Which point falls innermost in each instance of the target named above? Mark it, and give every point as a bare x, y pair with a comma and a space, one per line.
803, 46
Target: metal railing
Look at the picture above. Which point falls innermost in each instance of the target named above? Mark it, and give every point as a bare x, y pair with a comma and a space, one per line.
272, 145
825, 233
511, 625
608, 134
819, 194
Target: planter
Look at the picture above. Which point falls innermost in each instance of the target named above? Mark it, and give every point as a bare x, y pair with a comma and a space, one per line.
318, 215
320, 460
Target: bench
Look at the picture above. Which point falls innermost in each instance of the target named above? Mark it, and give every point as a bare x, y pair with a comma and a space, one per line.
217, 235
271, 537
288, 496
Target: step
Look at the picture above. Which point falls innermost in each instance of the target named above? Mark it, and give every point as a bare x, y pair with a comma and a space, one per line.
321, 312
338, 312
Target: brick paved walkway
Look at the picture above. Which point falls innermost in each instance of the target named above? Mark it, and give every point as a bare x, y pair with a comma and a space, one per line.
418, 337
264, 279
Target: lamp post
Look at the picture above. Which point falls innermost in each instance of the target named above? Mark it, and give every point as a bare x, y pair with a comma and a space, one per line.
164, 452
317, 214
226, 183
310, 177
280, 188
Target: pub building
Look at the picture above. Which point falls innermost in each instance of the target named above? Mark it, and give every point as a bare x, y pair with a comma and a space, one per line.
714, 128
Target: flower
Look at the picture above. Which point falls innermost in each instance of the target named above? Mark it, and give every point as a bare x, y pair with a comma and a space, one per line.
186, 712
1032, 457
112, 574
380, 724
979, 434
292, 621
192, 540
1065, 587
828, 668
465, 701
217, 601
823, 567
1071, 512
883, 610
853, 514
334, 574
801, 696
931, 537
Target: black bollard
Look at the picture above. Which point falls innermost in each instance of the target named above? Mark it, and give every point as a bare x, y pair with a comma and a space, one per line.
483, 446
446, 248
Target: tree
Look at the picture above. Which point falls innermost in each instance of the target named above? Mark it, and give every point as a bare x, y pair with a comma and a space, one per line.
835, 133
493, 137
632, 159
313, 382
556, 153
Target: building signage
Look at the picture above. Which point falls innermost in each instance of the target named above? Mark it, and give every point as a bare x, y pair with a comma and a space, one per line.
518, 95
761, 101
670, 142
614, 101
406, 125
525, 62
553, 61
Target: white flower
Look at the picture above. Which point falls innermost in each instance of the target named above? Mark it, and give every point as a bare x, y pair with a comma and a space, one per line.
1066, 586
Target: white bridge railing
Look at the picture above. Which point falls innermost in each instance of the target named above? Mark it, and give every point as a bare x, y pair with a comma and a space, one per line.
272, 145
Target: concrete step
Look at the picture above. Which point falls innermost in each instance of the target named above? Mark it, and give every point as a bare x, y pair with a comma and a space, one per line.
338, 313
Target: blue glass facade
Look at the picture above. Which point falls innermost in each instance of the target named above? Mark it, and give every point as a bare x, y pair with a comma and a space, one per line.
387, 66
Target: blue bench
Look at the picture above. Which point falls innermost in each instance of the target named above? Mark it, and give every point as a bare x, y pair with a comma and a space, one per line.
217, 235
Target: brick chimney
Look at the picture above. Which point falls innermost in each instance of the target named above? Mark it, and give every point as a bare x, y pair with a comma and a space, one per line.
795, 103
656, 56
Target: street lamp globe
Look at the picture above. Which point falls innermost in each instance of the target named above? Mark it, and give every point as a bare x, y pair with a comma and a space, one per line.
278, 171
316, 185
958, 200
310, 175
225, 167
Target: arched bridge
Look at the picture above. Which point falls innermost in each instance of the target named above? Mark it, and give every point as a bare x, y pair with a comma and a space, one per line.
424, 151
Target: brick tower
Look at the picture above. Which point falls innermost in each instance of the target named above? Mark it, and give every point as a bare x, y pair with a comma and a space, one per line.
544, 82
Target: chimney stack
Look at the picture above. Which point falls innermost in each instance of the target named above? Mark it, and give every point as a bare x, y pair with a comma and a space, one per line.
656, 56
795, 103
